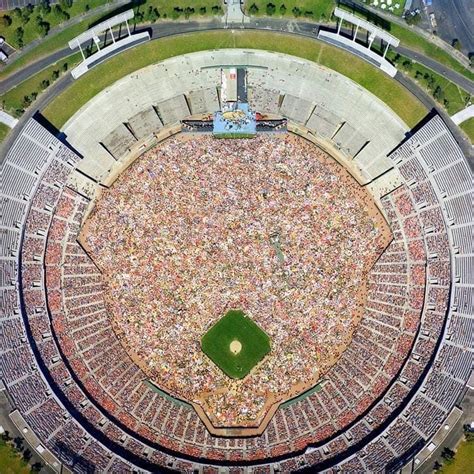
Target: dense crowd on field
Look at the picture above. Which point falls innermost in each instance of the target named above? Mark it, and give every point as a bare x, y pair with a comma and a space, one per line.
268, 226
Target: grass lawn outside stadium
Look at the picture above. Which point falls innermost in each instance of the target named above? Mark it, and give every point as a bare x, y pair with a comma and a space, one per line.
235, 344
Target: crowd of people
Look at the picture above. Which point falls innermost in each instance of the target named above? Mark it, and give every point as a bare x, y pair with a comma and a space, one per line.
381, 343
269, 226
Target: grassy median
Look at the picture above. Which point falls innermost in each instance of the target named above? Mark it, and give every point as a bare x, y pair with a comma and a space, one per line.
468, 128
403, 103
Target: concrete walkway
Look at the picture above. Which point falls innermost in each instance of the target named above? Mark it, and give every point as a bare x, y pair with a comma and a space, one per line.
234, 14
463, 115
7, 119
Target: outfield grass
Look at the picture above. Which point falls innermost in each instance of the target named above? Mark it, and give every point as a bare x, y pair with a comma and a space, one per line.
468, 128
318, 10
235, 326
13, 101
11, 462
389, 91
4, 130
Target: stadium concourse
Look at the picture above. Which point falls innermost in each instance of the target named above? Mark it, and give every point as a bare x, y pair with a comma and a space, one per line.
85, 402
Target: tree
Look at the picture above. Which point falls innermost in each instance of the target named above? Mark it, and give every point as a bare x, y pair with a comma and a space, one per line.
176, 13
65, 4
19, 32
188, 11
18, 440
437, 466
44, 84
253, 10
271, 9
25, 16
152, 14
448, 454
42, 26
282, 9
44, 7
5, 21
418, 75
60, 13
26, 101
27, 455
216, 10
413, 19
407, 64
65, 66
202, 11
457, 44
18, 13
438, 93
296, 12
55, 74
36, 467
6, 436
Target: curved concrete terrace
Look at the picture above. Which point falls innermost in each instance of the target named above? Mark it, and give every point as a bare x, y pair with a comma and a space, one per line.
327, 103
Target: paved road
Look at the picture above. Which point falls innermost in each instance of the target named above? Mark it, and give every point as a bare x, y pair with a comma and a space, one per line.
453, 76
455, 20
161, 30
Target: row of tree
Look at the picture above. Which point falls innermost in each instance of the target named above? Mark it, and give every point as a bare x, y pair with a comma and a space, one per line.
271, 9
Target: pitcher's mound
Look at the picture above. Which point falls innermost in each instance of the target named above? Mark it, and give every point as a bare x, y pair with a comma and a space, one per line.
235, 347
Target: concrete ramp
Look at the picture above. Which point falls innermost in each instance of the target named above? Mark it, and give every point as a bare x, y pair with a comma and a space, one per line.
119, 141
173, 110
145, 123
349, 140
323, 122
264, 100
296, 109
203, 101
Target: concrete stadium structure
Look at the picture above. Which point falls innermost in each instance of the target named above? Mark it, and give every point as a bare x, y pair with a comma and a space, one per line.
74, 389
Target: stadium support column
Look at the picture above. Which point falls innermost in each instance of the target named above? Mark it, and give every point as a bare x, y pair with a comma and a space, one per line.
386, 49
111, 34
355, 34
82, 52
128, 28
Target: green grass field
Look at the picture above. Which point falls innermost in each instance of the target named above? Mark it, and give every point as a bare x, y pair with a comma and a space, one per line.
402, 102
450, 96
235, 326
49, 45
468, 128
14, 101
318, 10
30, 28
4, 130
463, 462
11, 462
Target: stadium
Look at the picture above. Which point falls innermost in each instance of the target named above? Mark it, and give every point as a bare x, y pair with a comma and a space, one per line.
235, 259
